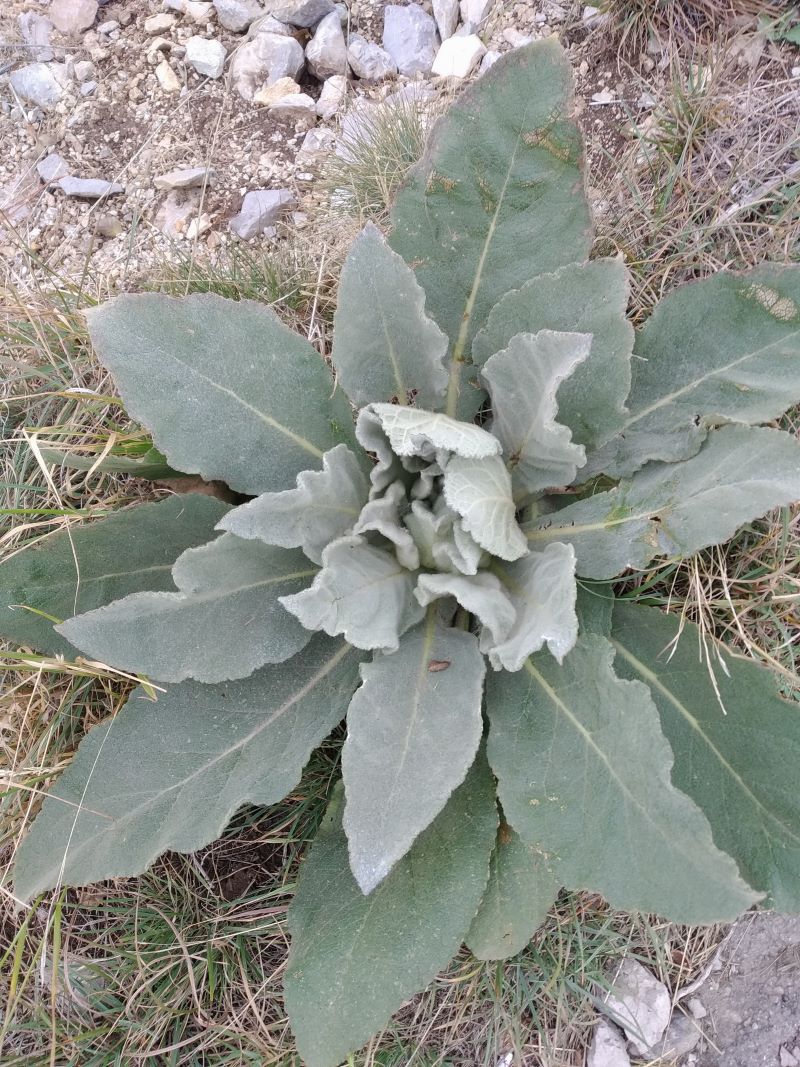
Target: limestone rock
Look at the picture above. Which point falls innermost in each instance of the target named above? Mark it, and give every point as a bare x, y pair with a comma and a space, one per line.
167, 78
156, 24
83, 69
304, 13
35, 31
185, 178
267, 57
317, 144
639, 1003
206, 56
680, 1037
446, 14
294, 108
369, 61
331, 97
326, 52
261, 209
72, 16
36, 83
237, 15
458, 56
88, 188
409, 36
52, 167
174, 214
197, 10
269, 24
474, 13
607, 1048
270, 94
489, 60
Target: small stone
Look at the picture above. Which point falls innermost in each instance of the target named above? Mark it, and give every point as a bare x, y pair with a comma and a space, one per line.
409, 36
108, 226
174, 214
474, 13
88, 88
295, 107
107, 28
197, 10
185, 178
369, 61
89, 188
317, 144
697, 1008
279, 90
206, 56
787, 1059
35, 30
83, 70
640, 1004
607, 1048
303, 13
72, 16
515, 38
198, 226
458, 56
268, 24
157, 45
594, 18
37, 83
261, 209
157, 24
52, 167
236, 15
330, 99
167, 78
266, 58
446, 14
681, 1036
489, 60
326, 52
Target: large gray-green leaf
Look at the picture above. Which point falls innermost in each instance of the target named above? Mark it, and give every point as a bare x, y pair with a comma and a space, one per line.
584, 775
361, 592
542, 590
479, 490
585, 298
96, 563
518, 896
412, 432
481, 595
736, 743
497, 199
413, 729
324, 506
522, 380
169, 774
225, 622
384, 345
726, 348
226, 389
670, 509
354, 959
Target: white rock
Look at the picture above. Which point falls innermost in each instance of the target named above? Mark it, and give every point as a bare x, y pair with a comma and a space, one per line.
409, 36
279, 90
489, 60
639, 1003
680, 1037
36, 83
317, 144
236, 15
268, 24
515, 38
72, 16
260, 209
305, 13
198, 226
52, 167
607, 1048
605, 96
174, 214
474, 13
594, 18
88, 188
197, 10
157, 24
35, 31
326, 52
369, 61
446, 14
111, 26
267, 57
555, 12
458, 56
331, 97
83, 70
167, 78
295, 107
87, 88
185, 178
206, 56
697, 1008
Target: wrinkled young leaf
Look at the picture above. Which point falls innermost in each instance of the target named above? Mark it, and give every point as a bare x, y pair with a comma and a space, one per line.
443, 542
587, 298
413, 728
324, 506
496, 199
226, 389
150, 464
225, 622
584, 775
384, 345
482, 595
520, 892
209, 749
736, 743
383, 516
479, 490
523, 380
355, 959
542, 590
361, 592
670, 509
97, 562
724, 349
423, 433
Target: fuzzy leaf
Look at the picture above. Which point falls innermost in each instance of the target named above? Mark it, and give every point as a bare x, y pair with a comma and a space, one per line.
131, 550
442, 541
678, 508
496, 199
354, 959
542, 589
361, 592
325, 505
225, 622
481, 595
520, 893
210, 749
724, 349
736, 743
226, 389
522, 381
383, 516
423, 433
480, 491
587, 298
384, 345
584, 775
413, 729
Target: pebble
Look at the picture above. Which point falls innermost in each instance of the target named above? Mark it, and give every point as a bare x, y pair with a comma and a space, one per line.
83, 70
88, 188
303, 13
640, 1004
697, 1008
409, 36
37, 83
489, 60
326, 52
174, 214
52, 167
369, 61
330, 99
267, 57
458, 56
294, 107
236, 15
515, 38
72, 16
680, 1037
108, 225
157, 24
607, 1048
261, 209
89, 87
270, 94
206, 56
446, 14
474, 13
167, 78
185, 178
